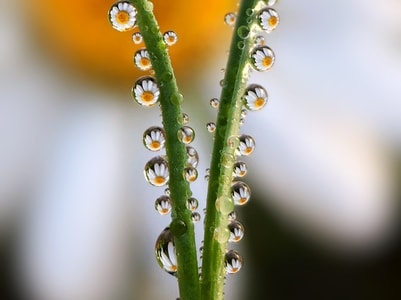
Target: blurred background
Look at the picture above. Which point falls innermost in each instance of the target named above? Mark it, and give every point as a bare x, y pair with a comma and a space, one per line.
77, 219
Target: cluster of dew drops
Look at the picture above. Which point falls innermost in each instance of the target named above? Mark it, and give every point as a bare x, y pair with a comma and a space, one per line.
261, 58
122, 16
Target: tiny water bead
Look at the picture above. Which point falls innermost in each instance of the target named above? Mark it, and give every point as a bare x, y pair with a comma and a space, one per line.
137, 38
142, 60
260, 40
195, 217
190, 174
211, 127
233, 262
243, 32
146, 92
236, 231
214, 102
240, 192
167, 192
232, 216
262, 58
255, 97
270, 2
246, 145
165, 252
122, 16
230, 18
186, 134
170, 38
240, 169
192, 204
156, 171
154, 138
244, 113
192, 157
268, 19
185, 118
163, 204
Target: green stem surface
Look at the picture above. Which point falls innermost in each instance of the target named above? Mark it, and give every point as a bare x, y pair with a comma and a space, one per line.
219, 201
170, 104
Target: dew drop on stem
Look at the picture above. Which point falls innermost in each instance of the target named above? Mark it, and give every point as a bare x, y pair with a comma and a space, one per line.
233, 262
165, 252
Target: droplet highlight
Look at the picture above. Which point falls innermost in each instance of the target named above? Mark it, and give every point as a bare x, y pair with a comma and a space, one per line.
156, 171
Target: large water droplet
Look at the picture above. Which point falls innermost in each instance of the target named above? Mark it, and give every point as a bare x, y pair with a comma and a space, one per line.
154, 138
190, 174
192, 204
240, 192
224, 205
145, 91
255, 97
240, 169
170, 38
165, 252
230, 18
236, 231
233, 262
246, 145
262, 58
163, 204
268, 19
142, 60
186, 134
156, 171
192, 157
122, 16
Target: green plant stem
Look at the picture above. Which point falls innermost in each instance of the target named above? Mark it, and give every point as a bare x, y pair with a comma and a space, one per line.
170, 103
219, 201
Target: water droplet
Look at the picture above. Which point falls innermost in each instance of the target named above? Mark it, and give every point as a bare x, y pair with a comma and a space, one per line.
236, 231
207, 176
122, 16
156, 171
227, 160
192, 203
224, 205
262, 58
233, 262
192, 157
241, 193
268, 19
260, 40
178, 227
249, 12
222, 235
232, 216
167, 192
176, 99
230, 18
244, 113
165, 252
154, 138
255, 97
246, 145
185, 118
243, 32
137, 38
233, 141
240, 45
214, 102
170, 38
195, 217
142, 60
222, 83
190, 174
167, 76
211, 127
186, 134
145, 91
270, 2
163, 204
240, 169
